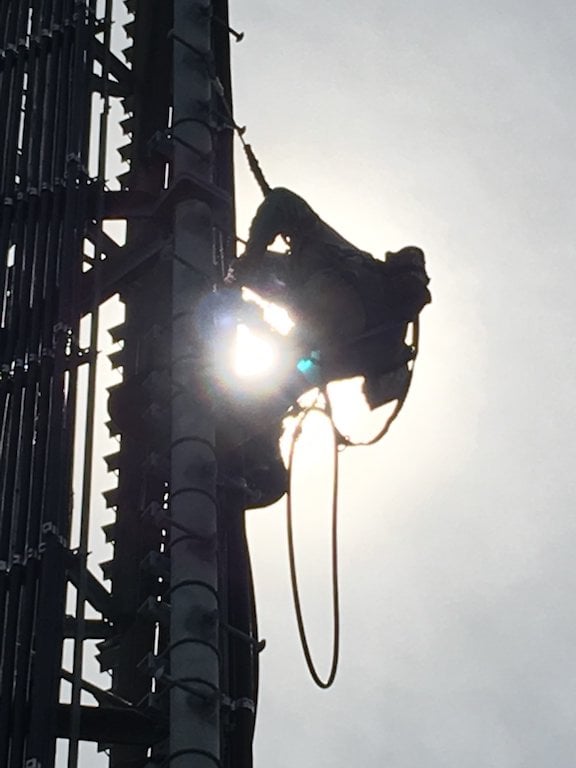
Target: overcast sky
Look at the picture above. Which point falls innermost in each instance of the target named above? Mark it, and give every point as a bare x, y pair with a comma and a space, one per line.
451, 126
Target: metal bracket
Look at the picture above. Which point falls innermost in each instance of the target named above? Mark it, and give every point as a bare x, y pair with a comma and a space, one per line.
235, 704
185, 684
205, 57
259, 645
155, 610
239, 36
99, 694
163, 520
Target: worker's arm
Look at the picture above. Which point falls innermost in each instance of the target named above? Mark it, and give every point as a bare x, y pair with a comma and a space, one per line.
285, 213
281, 213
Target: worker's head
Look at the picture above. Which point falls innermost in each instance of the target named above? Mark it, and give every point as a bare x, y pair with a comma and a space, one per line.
408, 282
409, 258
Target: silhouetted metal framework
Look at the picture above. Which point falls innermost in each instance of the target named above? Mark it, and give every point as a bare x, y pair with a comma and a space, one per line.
177, 628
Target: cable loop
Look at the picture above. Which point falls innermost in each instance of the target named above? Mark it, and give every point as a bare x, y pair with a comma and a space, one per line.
341, 442
291, 553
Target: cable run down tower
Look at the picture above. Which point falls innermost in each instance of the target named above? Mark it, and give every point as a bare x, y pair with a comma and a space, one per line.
173, 618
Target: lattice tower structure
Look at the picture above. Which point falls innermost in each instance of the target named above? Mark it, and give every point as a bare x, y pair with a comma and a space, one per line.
172, 611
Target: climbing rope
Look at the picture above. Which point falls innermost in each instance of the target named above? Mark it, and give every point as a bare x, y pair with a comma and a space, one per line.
253, 163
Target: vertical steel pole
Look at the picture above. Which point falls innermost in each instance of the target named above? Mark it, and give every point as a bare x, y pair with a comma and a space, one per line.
194, 658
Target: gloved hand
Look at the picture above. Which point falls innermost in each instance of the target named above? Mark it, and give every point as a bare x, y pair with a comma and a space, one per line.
258, 272
230, 278
244, 269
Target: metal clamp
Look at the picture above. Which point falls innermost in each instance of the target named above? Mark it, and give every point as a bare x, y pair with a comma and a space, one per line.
183, 683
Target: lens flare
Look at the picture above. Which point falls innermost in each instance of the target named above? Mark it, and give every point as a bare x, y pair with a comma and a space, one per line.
255, 356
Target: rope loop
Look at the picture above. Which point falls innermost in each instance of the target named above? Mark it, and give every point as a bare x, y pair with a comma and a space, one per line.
292, 558
340, 442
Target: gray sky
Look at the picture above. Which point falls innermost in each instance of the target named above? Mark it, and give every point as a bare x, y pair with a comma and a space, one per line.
450, 126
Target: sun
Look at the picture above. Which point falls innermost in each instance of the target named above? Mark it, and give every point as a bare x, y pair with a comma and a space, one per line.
255, 355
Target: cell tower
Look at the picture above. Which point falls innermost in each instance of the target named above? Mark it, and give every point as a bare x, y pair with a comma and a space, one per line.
173, 618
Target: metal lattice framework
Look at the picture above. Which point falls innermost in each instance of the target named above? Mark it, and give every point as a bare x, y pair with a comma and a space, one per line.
174, 616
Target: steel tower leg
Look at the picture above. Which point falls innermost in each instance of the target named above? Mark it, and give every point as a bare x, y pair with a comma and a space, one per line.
194, 656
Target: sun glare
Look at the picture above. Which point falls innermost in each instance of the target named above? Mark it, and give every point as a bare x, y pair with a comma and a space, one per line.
255, 355
276, 317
